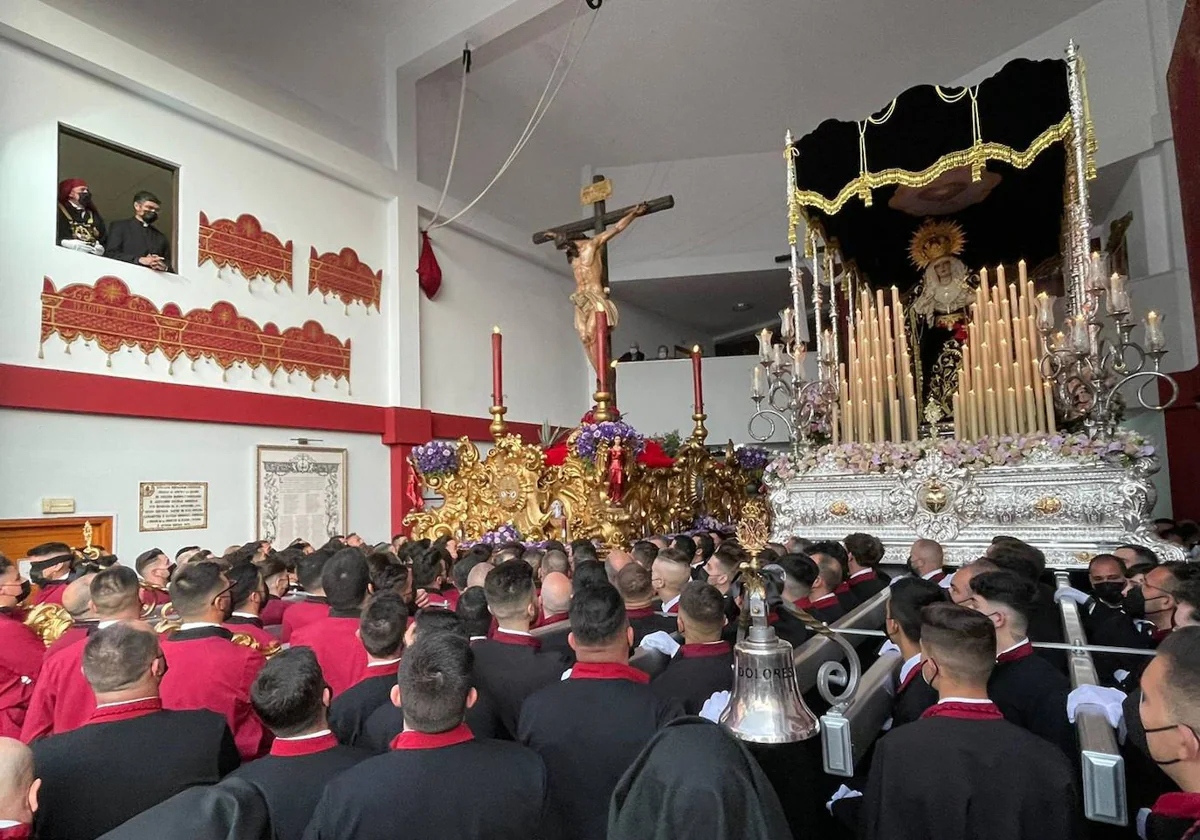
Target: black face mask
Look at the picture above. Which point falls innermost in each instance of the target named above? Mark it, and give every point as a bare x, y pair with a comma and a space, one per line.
85, 198
150, 217
1134, 603
1109, 591
1150, 752
38, 566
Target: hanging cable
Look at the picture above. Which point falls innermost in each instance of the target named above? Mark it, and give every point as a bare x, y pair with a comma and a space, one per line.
462, 99
535, 118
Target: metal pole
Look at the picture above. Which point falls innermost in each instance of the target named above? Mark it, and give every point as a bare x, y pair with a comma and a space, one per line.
798, 311
1081, 214
1040, 645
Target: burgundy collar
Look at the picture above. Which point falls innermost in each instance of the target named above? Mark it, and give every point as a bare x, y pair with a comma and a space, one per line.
937, 578
640, 612
24, 831
1158, 635
410, 740
608, 671
126, 711
696, 651
807, 603
912, 674
864, 575
388, 670
553, 619
964, 711
842, 589
506, 638
282, 748
1016, 654
673, 609
1178, 805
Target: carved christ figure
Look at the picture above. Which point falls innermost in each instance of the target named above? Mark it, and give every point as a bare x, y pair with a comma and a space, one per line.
584, 257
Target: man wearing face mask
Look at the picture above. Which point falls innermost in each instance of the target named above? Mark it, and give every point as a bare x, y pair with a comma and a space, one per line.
962, 770
1170, 712
925, 561
209, 671
1030, 691
49, 571
80, 227
155, 569
21, 651
136, 240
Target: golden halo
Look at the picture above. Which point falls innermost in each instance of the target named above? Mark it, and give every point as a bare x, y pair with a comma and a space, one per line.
934, 239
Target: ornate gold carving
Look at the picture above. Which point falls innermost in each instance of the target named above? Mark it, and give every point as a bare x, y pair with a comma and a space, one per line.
934, 496
246, 640
754, 528
839, 508
49, 621
1048, 505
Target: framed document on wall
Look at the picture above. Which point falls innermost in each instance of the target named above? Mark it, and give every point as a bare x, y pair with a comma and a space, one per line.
302, 493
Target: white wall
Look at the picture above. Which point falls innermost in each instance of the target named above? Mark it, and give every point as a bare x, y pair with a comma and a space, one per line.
100, 460
219, 175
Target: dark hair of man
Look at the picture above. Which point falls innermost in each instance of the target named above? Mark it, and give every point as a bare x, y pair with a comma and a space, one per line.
506, 553
391, 578
246, 579
1181, 573
241, 556
462, 570
834, 549
674, 555
5, 564
145, 195
705, 545
276, 564
1143, 554
309, 569
961, 641
685, 544
1180, 652
472, 611
634, 584
434, 680
554, 545
437, 620
910, 595
644, 553
185, 550
799, 567
582, 551
830, 571
1017, 557
114, 590
194, 586
509, 588
382, 625
146, 558
556, 561
729, 556
799, 545
345, 579
587, 573
287, 692
767, 556
533, 556
116, 657
597, 615
867, 550
426, 567
1010, 589
48, 549
702, 605
479, 551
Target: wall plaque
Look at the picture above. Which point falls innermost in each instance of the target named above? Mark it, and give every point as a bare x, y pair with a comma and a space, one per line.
172, 505
302, 494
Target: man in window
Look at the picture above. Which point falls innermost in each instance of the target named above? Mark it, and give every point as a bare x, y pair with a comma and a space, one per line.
80, 227
137, 240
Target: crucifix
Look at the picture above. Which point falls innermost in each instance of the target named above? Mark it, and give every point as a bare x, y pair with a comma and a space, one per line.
588, 257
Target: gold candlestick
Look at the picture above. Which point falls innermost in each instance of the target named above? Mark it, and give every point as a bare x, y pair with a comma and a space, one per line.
498, 426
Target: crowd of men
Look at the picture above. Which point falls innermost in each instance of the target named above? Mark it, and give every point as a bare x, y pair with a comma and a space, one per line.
429, 689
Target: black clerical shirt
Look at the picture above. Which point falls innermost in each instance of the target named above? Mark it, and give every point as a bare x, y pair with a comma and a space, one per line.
131, 239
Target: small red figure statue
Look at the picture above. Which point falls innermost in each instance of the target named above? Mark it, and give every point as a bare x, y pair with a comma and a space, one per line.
616, 472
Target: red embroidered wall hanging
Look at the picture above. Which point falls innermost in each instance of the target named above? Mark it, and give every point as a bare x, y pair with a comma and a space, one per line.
110, 315
344, 276
244, 245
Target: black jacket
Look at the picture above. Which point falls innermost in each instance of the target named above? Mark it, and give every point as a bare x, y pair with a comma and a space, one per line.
353, 707
231, 810
506, 674
1032, 693
694, 674
129, 240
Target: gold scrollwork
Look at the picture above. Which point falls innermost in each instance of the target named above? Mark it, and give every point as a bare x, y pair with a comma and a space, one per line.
49, 621
839, 508
1048, 505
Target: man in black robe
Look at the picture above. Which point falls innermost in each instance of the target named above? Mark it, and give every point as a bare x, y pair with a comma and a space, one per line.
511, 665
800, 573
903, 627
404, 792
137, 240
703, 665
634, 584
381, 631
132, 754
835, 553
1045, 617
292, 699
962, 771
591, 726
1030, 691
1170, 713
80, 226
823, 601
866, 579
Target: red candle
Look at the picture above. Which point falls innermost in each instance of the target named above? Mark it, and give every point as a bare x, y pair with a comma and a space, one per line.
497, 367
697, 380
602, 346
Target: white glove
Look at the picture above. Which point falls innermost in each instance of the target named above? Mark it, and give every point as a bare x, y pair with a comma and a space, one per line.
1068, 593
661, 641
946, 581
889, 647
1098, 696
98, 250
714, 705
1143, 815
842, 792
76, 245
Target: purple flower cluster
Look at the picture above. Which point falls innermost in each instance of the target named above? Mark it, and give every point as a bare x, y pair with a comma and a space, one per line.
591, 434
752, 458
436, 457
506, 533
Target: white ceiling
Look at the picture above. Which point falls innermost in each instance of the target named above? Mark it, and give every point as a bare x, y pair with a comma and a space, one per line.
706, 302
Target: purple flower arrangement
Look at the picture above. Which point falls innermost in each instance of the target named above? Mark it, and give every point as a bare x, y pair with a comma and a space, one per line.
1121, 449
436, 458
752, 458
590, 434
506, 533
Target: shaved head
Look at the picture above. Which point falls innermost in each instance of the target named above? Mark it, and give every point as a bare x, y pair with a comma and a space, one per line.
77, 594
615, 562
925, 556
16, 778
556, 593
478, 574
